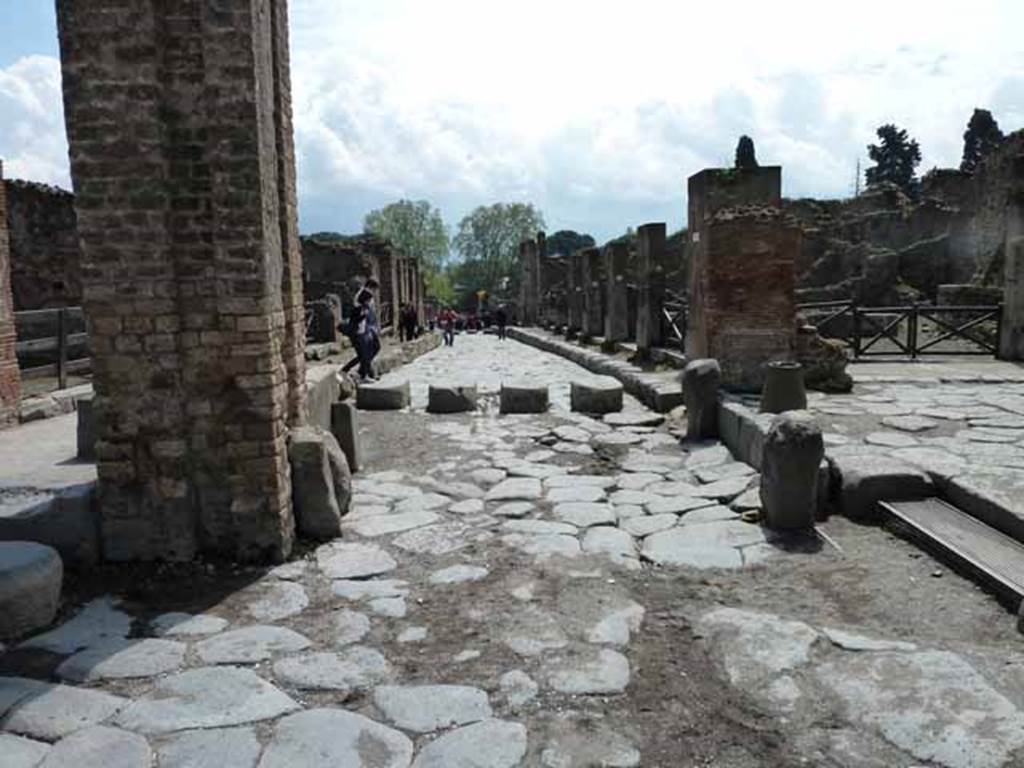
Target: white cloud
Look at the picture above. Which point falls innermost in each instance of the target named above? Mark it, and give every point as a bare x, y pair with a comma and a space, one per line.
32, 140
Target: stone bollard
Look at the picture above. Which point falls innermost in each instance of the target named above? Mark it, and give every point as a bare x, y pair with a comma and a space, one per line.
783, 388
321, 482
345, 428
793, 450
701, 380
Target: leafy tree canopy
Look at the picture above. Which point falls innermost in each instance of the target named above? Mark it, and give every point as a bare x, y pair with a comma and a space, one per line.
566, 241
488, 240
746, 157
980, 138
896, 157
414, 227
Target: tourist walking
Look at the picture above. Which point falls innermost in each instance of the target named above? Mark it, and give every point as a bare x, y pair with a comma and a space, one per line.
448, 325
364, 331
501, 320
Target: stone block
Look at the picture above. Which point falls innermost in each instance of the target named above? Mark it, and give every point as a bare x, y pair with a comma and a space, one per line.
793, 450
382, 397
321, 482
865, 479
323, 389
65, 519
450, 398
701, 381
86, 430
345, 428
524, 398
599, 395
30, 582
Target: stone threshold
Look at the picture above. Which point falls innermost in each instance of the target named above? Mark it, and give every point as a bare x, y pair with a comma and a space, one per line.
661, 392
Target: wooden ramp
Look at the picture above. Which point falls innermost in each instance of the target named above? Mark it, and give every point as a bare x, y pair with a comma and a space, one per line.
989, 556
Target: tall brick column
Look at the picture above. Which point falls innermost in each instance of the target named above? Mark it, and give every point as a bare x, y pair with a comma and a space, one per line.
10, 382
616, 316
593, 309
179, 126
1011, 342
650, 284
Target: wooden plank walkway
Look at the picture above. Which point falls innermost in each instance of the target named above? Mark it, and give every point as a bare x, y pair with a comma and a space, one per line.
990, 556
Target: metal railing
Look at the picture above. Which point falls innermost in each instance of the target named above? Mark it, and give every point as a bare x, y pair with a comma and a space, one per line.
58, 347
903, 330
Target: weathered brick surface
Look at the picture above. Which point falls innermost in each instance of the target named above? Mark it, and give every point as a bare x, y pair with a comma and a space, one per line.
650, 278
744, 291
179, 128
43, 246
10, 387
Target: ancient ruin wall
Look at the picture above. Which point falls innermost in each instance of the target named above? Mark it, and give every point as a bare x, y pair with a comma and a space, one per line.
10, 388
179, 132
44, 246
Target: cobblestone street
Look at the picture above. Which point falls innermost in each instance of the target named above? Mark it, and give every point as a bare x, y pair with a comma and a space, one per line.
549, 590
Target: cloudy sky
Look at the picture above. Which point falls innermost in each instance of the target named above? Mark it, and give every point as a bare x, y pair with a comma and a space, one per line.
595, 111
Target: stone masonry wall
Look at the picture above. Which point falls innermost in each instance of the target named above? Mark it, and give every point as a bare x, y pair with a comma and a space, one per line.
179, 127
44, 246
10, 389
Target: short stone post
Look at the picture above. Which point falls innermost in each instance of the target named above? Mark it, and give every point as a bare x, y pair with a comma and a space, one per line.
1011, 342
783, 388
650, 240
345, 428
793, 450
701, 380
593, 319
616, 316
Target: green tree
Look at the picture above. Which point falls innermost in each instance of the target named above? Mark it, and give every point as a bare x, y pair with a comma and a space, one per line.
415, 228
440, 288
488, 240
895, 158
980, 138
565, 241
746, 158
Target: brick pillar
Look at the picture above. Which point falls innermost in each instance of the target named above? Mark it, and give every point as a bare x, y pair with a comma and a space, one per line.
574, 299
593, 310
10, 382
1011, 342
650, 284
179, 129
616, 316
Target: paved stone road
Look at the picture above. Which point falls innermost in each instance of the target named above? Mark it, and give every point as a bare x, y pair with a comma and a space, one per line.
537, 591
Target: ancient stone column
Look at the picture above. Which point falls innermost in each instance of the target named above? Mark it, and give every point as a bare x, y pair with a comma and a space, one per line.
179, 127
1011, 342
10, 382
701, 380
650, 284
616, 316
543, 282
593, 310
529, 281
574, 299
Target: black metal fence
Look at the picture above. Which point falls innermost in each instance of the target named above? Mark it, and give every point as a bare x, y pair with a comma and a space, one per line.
51, 342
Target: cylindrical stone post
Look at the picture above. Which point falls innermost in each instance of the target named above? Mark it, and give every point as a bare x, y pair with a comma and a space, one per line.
701, 381
793, 450
651, 284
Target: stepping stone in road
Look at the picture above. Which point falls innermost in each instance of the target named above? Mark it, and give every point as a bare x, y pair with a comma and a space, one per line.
489, 744
121, 659
30, 581
383, 397
250, 645
599, 395
451, 398
523, 398
427, 708
334, 737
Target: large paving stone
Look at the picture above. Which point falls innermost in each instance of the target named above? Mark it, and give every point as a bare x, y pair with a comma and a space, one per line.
995, 497
490, 744
208, 697
187, 625
383, 396
609, 541
356, 668
605, 672
355, 589
523, 398
544, 545
100, 747
708, 545
457, 574
30, 582
449, 398
350, 626
866, 479
331, 738
120, 659
585, 493
381, 525
598, 395
344, 560
572, 481
437, 540
678, 504
50, 712
20, 752
634, 419
539, 527
932, 704
249, 645
516, 489
276, 600
583, 746
427, 708
584, 514
213, 748
647, 524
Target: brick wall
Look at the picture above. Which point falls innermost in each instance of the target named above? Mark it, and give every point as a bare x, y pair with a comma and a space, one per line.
10, 388
179, 129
